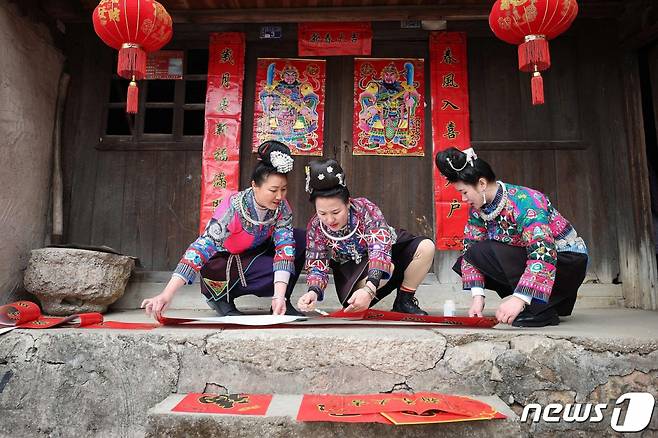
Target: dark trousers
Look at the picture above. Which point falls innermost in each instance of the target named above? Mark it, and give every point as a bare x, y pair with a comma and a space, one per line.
258, 271
502, 266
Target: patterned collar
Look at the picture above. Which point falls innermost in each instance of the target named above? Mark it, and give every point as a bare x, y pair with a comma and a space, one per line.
492, 209
249, 209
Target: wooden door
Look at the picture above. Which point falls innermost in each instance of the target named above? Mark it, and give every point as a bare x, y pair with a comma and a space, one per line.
401, 186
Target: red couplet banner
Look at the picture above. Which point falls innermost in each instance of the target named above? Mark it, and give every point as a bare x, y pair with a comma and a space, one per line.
334, 39
450, 128
289, 103
389, 106
220, 168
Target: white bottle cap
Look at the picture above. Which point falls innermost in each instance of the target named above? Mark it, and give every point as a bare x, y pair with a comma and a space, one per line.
449, 308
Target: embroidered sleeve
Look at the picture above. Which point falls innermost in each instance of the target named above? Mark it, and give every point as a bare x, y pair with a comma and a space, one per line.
379, 240
474, 231
317, 258
539, 274
207, 244
284, 241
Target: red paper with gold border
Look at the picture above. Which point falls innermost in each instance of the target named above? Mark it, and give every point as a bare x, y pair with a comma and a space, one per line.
313, 408
220, 168
450, 128
333, 39
289, 104
423, 407
389, 113
232, 404
405, 418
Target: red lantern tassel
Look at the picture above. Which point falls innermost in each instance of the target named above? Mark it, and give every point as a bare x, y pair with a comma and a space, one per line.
133, 98
534, 54
537, 86
131, 62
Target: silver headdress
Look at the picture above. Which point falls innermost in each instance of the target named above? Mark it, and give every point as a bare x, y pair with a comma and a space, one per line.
471, 156
281, 162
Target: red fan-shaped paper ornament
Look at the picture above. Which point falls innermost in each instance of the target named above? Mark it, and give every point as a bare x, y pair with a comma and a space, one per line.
530, 24
133, 27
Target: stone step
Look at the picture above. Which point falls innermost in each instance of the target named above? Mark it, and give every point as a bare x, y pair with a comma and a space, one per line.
61, 382
280, 421
431, 295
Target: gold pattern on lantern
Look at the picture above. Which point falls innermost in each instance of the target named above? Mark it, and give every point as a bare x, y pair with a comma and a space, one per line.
506, 4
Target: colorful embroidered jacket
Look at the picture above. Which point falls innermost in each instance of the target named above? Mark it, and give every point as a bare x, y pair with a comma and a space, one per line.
527, 219
229, 231
373, 239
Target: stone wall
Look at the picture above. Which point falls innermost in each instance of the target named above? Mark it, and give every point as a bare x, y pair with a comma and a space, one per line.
29, 77
62, 383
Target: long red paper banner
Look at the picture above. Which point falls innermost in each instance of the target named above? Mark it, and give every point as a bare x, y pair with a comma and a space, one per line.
220, 168
450, 128
385, 315
333, 39
27, 315
396, 408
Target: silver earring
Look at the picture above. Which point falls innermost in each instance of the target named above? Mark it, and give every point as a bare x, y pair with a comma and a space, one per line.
484, 198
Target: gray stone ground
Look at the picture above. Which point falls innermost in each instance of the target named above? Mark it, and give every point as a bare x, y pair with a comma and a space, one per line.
72, 382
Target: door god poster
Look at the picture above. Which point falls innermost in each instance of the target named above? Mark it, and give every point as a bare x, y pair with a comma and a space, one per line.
389, 106
289, 103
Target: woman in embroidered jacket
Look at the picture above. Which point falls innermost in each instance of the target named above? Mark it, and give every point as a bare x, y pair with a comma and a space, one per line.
368, 257
516, 243
248, 246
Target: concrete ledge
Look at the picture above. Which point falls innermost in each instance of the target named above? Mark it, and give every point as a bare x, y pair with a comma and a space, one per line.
280, 421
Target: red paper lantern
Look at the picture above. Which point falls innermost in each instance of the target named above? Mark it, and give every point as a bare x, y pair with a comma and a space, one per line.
530, 24
133, 27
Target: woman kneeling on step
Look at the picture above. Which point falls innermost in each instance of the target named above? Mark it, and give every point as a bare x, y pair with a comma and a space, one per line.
368, 257
248, 247
515, 243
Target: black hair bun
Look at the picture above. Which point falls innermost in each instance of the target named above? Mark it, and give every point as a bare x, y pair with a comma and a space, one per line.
277, 155
463, 166
324, 175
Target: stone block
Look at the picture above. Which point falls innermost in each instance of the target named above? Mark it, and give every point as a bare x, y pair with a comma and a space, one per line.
68, 281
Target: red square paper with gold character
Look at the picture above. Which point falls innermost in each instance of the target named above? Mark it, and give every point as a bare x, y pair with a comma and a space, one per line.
233, 404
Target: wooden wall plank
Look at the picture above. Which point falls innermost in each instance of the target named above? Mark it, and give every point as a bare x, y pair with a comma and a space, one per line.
137, 233
108, 200
89, 84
